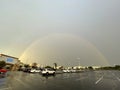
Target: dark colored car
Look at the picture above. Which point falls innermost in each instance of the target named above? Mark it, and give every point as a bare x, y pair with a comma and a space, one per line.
26, 70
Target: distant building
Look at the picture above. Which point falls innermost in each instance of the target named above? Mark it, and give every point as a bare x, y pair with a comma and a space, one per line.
11, 61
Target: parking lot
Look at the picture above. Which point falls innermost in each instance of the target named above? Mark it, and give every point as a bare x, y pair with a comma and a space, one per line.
88, 80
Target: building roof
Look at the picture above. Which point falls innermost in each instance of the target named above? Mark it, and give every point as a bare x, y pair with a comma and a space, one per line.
8, 56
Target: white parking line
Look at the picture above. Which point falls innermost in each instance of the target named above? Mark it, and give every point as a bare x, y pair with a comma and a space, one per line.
81, 78
99, 80
8, 88
113, 74
4, 89
118, 79
21, 82
67, 77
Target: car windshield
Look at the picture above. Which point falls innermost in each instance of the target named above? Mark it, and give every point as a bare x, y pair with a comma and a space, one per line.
59, 45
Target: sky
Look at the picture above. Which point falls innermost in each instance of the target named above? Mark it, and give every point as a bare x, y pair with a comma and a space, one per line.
68, 32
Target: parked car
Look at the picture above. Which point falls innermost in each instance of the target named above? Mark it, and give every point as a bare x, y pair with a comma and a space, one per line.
73, 71
3, 73
3, 70
26, 70
66, 71
48, 71
35, 71
69, 71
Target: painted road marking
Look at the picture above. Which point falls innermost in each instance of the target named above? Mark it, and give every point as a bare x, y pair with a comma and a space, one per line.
10, 88
99, 80
5, 89
118, 79
81, 79
21, 82
67, 77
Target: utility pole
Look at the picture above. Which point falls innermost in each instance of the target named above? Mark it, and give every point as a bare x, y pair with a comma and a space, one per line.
78, 61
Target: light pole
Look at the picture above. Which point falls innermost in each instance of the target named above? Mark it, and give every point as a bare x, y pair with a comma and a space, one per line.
78, 61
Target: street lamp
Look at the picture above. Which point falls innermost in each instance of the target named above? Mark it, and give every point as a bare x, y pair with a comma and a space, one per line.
78, 61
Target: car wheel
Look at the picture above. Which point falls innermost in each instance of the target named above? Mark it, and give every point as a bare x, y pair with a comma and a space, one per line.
54, 73
47, 73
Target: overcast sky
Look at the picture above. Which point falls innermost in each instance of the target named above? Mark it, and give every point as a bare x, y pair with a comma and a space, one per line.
62, 31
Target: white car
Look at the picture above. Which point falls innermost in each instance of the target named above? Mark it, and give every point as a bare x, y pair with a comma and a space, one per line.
48, 71
73, 71
34, 71
66, 71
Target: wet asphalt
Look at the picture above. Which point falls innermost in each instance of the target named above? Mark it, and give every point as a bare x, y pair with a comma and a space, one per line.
87, 80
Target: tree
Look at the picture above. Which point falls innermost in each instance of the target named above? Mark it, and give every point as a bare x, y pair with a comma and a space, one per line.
48, 67
2, 64
61, 68
90, 68
26, 66
34, 65
117, 67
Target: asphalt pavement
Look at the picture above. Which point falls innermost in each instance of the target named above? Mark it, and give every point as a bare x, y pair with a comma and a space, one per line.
87, 80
